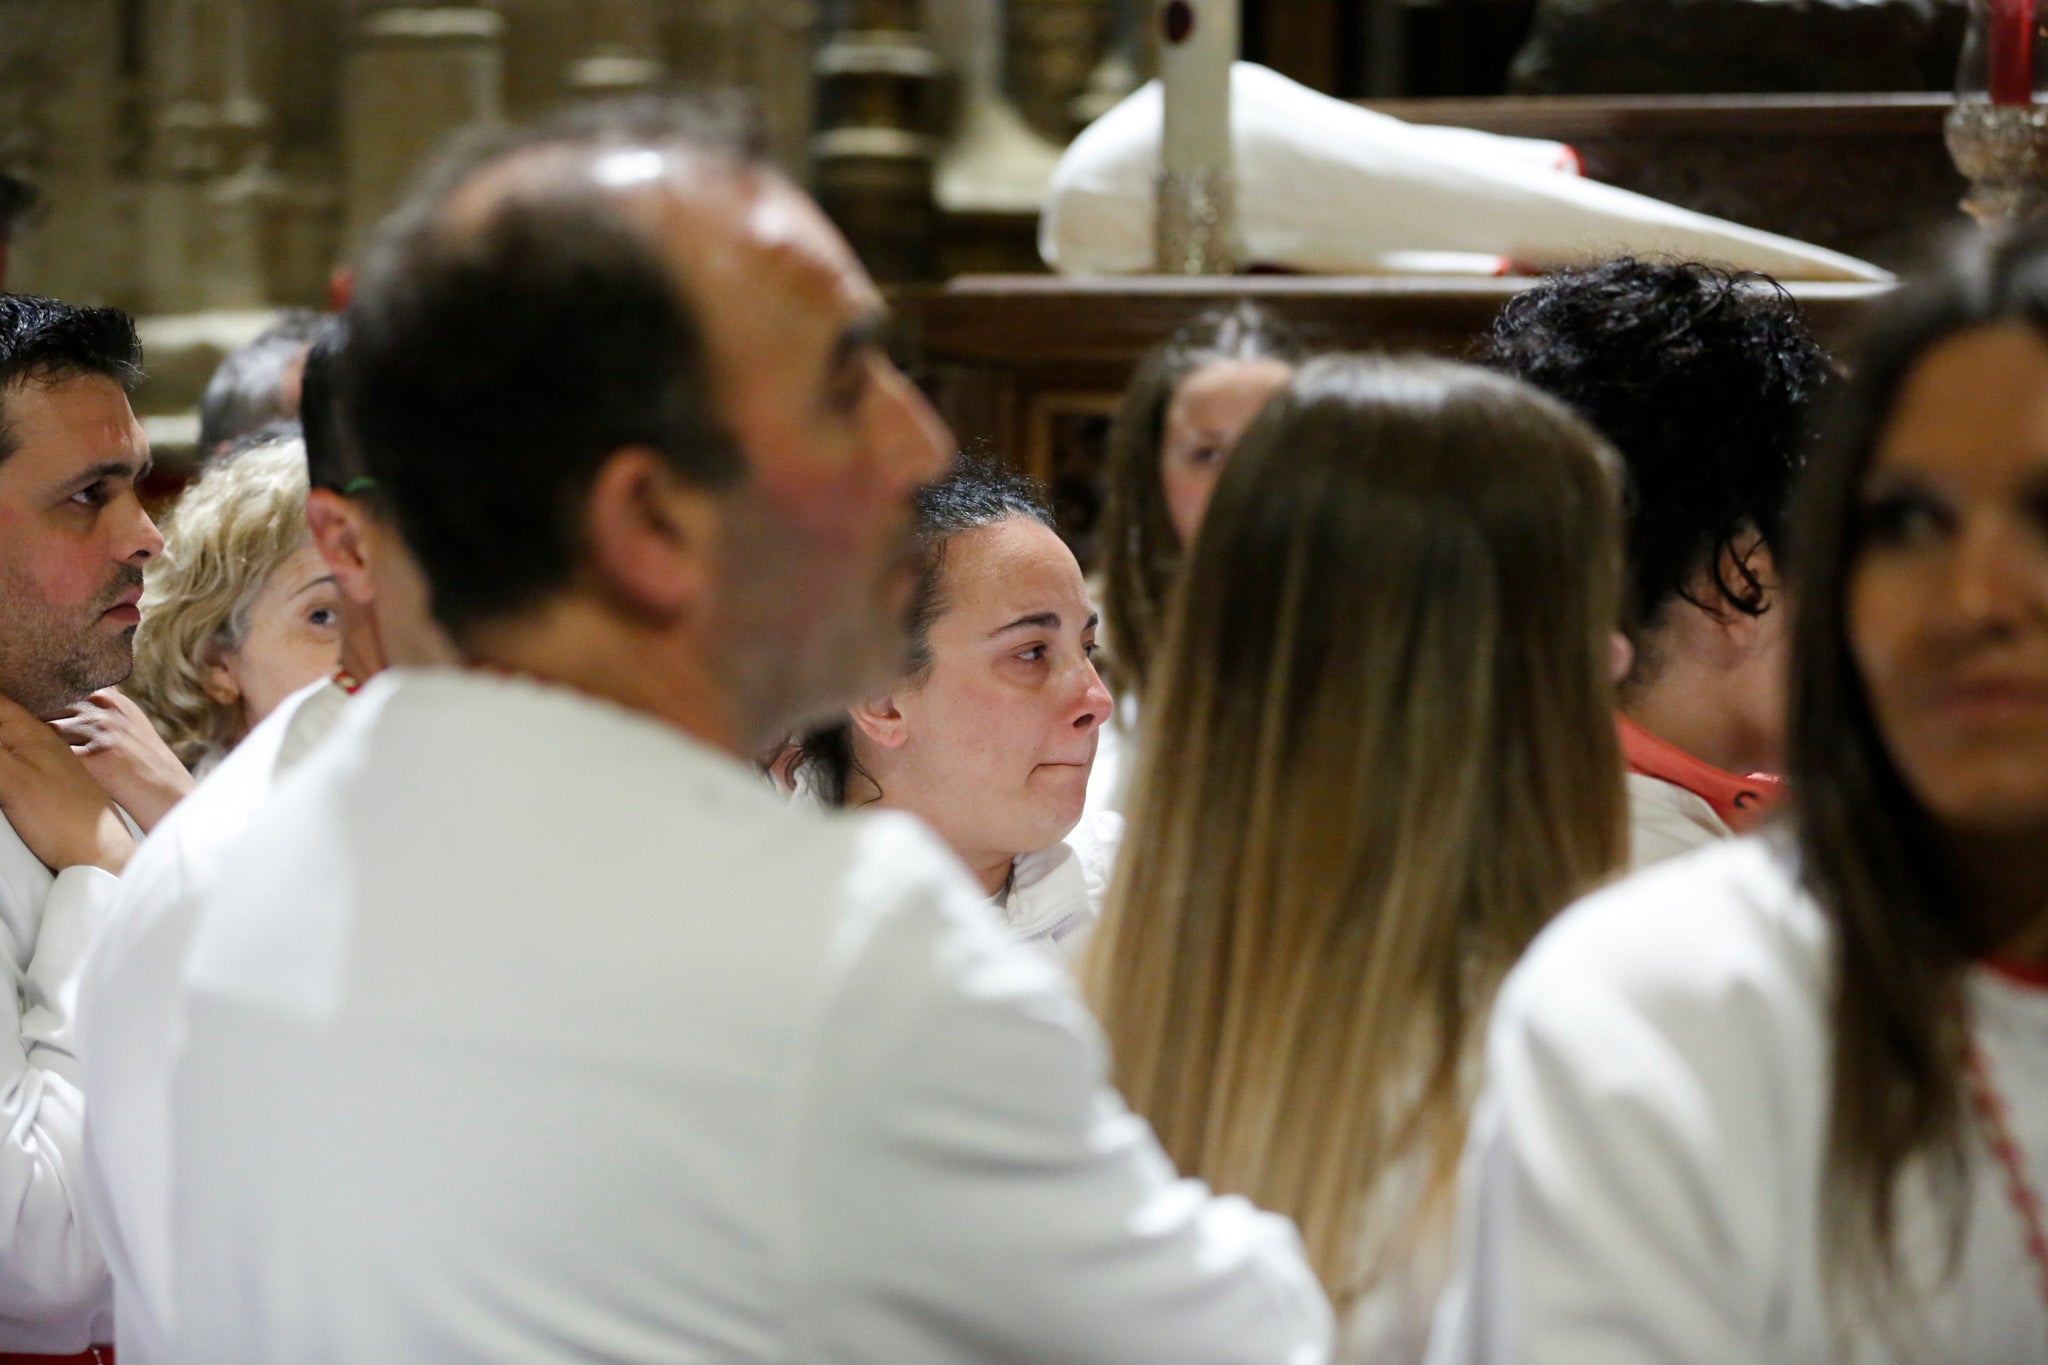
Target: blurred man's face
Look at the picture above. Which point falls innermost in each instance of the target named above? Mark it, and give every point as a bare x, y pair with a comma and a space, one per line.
817, 569
73, 540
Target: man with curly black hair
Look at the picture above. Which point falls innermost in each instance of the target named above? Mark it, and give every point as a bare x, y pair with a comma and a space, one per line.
1705, 380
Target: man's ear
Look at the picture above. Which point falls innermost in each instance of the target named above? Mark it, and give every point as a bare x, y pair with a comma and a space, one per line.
881, 720
651, 537
336, 524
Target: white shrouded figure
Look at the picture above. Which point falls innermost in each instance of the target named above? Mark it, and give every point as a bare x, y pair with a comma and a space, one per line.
1328, 187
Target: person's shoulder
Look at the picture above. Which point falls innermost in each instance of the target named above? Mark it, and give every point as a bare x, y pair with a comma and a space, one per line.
903, 898
1728, 925
892, 861
221, 805
1665, 820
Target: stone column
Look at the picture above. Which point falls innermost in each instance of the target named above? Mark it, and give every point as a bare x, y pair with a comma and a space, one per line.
1052, 49
417, 74
211, 195
764, 47
620, 53
875, 150
62, 97
993, 160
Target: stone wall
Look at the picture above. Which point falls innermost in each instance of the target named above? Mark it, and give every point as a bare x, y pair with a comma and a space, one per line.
205, 155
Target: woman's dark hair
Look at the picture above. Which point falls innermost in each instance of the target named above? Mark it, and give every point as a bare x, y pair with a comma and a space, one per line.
980, 491
1869, 849
1706, 381
1141, 555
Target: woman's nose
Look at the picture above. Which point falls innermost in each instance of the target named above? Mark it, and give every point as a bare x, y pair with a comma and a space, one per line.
1997, 576
1095, 702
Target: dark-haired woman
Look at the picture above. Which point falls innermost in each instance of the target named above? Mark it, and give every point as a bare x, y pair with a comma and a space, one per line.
991, 733
1184, 413
1706, 381
1787, 1099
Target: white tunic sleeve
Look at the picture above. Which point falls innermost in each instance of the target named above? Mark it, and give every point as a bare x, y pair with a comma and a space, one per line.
51, 1270
1629, 1189
980, 1193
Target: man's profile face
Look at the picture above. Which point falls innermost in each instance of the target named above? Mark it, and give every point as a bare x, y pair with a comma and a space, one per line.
817, 564
73, 540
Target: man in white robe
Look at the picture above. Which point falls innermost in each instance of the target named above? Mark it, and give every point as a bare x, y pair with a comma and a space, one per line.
73, 540
527, 1023
128, 996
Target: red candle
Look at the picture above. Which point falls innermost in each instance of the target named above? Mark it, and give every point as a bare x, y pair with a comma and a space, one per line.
2009, 26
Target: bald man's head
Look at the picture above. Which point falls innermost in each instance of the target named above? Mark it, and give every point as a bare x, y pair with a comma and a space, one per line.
534, 278
625, 371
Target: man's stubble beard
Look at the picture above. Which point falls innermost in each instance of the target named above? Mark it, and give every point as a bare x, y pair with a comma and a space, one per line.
48, 665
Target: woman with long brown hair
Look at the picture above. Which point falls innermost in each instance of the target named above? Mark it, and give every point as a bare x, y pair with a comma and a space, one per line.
1180, 419
1185, 411
1787, 1099
1380, 756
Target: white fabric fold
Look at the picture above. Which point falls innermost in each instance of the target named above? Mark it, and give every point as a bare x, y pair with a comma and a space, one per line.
1327, 187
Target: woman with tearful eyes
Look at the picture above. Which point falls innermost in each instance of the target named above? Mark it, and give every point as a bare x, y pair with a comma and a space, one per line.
240, 611
991, 733
1786, 1099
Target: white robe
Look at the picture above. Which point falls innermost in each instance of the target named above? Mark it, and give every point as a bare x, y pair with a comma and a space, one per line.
127, 1004
1055, 896
1642, 1175
55, 1296
1665, 820
525, 1028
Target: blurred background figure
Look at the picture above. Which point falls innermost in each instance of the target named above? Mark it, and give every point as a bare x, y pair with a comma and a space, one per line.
241, 611
1379, 757
1183, 414
257, 385
990, 735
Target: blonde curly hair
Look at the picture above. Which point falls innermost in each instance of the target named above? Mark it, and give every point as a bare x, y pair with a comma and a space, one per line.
229, 532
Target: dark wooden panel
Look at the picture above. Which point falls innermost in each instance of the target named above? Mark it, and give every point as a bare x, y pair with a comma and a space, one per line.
1301, 39
1030, 366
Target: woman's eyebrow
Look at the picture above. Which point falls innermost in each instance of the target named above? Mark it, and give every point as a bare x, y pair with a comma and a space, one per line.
1037, 620
326, 578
